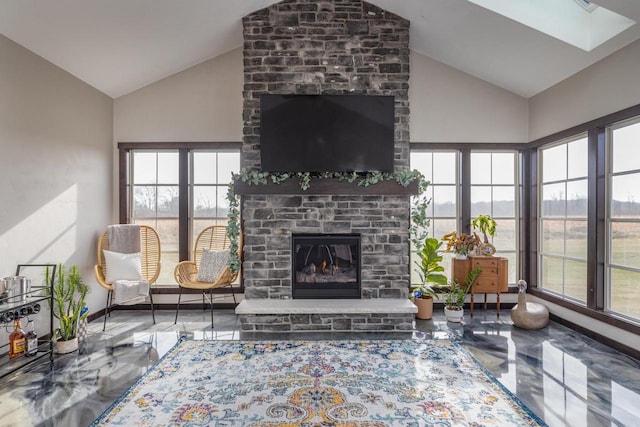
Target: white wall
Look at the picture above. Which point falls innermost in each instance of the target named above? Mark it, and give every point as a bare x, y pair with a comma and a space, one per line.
55, 139
202, 103
605, 87
448, 105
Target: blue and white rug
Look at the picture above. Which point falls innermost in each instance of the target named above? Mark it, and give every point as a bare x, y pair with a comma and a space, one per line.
317, 383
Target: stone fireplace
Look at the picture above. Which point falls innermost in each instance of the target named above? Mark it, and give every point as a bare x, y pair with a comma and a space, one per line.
325, 47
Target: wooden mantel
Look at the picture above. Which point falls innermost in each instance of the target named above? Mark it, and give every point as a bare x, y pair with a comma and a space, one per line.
327, 187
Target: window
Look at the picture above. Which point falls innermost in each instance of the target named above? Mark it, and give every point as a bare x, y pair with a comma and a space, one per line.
440, 168
493, 192
623, 220
178, 189
563, 218
155, 200
492, 189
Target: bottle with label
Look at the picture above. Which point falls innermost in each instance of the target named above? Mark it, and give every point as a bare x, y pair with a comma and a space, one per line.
17, 340
32, 340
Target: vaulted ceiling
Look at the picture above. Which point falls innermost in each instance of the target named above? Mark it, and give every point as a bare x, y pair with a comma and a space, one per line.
118, 46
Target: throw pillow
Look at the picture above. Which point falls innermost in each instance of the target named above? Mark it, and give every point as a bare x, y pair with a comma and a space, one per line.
122, 266
212, 264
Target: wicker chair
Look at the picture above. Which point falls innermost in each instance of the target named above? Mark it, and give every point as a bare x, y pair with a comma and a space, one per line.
186, 272
150, 260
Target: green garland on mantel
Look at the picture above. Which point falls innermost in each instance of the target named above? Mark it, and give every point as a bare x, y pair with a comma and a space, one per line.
254, 177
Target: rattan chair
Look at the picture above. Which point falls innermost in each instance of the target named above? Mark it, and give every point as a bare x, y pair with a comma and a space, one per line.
150, 260
186, 272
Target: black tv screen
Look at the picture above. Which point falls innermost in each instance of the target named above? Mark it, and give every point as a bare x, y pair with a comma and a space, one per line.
326, 133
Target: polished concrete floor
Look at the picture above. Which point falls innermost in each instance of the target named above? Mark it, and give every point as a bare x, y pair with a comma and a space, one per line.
564, 377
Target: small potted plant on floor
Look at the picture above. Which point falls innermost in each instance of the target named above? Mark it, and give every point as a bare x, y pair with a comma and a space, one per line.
454, 295
487, 226
69, 292
428, 265
431, 273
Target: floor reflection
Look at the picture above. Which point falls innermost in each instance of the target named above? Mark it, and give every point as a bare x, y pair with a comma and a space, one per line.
564, 377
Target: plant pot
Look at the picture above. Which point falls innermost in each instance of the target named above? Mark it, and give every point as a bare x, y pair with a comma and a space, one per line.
461, 256
453, 315
425, 308
68, 346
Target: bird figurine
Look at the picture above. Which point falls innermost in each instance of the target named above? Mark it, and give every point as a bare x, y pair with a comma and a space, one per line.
528, 315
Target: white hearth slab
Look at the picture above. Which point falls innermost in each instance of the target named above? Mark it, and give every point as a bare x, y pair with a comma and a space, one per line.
325, 306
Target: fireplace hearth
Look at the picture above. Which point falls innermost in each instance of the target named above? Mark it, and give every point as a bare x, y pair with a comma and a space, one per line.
325, 265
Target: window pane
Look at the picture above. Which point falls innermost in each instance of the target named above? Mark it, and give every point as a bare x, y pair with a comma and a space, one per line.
429, 196
223, 204
144, 201
227, 163
575, 280
502, 168
576, 239
480, 168
168, 168
625, 244
554, 163
552, 237
552, 277
168, 202
505, 238
504, 202
625, 298
204, 202
480, 200
421, 161
204, 168
577, 198
578, 163
625, 201
513, 266
625, 148
444, 200
553, 200
144, 168
442, 227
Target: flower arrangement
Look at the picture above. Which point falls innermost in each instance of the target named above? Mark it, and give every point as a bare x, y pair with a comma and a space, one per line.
461, 244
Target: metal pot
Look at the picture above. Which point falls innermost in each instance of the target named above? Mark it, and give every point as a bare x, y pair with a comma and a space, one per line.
17, 287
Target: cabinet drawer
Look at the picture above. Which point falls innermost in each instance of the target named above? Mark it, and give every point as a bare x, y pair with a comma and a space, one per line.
488, 272
485, 284
485, 263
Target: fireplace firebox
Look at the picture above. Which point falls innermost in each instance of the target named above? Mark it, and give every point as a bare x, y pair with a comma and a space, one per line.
325, 265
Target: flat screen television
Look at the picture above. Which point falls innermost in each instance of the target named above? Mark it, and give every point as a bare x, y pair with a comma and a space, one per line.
326, 133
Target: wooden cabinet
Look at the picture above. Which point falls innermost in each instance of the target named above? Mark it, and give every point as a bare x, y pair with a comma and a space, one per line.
492, 280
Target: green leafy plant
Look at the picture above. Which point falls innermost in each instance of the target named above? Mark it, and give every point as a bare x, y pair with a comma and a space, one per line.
455, 293
486, 225
69, 292
429, 269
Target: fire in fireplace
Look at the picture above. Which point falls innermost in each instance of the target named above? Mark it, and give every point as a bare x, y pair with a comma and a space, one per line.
326, 265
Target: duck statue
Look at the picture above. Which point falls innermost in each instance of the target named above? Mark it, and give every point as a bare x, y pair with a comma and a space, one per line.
528, 315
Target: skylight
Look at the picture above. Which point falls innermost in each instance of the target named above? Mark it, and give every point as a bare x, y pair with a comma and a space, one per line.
580, 23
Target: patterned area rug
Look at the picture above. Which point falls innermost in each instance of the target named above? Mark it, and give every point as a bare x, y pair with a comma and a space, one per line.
318, 383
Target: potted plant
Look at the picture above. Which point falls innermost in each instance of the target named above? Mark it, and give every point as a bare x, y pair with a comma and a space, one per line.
454, 295
428, 265
69, 292
487, 226
431, 273
462, 244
